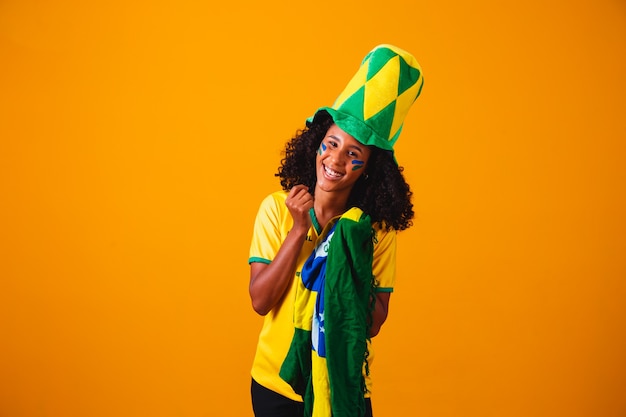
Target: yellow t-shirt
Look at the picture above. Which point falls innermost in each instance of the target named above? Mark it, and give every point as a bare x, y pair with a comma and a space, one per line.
271, 226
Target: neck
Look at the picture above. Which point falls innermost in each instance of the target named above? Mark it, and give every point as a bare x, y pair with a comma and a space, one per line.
328, 205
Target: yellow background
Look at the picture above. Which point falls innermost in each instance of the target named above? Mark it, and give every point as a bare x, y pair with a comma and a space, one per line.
138, 137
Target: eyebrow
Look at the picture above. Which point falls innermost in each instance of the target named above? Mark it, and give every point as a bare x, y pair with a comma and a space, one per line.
358, 148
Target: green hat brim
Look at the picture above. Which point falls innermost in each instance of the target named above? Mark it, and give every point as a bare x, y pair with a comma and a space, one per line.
355, 127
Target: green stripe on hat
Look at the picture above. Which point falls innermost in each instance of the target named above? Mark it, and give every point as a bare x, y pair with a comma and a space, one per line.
407, 76
354, 104
382, 117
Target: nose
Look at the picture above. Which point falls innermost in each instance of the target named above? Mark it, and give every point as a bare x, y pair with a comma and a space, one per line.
337, 156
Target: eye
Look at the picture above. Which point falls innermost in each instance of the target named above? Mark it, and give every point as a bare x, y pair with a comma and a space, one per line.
332, 143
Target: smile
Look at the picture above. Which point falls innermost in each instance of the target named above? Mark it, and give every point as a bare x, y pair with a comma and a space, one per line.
331, 173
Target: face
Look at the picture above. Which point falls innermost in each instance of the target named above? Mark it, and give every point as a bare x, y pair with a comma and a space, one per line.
341, 160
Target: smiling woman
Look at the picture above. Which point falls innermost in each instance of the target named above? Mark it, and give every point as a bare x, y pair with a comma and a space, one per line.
322, 259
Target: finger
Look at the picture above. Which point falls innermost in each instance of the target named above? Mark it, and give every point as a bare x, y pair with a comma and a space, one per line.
298, 190
300, 194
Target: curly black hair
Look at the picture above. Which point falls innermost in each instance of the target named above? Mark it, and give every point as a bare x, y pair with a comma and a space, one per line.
384, 194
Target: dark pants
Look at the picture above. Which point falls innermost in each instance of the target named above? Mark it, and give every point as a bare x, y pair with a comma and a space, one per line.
267, 403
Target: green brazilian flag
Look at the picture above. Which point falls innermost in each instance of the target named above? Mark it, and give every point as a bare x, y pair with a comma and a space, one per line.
334, 385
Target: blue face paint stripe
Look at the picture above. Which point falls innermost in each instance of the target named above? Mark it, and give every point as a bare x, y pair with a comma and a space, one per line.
357, 164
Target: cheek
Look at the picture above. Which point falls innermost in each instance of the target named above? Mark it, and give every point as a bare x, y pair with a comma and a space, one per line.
321, 149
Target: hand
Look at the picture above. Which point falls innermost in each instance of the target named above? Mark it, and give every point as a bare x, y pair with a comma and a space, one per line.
299, 202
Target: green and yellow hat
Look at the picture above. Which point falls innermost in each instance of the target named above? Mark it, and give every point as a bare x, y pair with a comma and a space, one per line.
374, 104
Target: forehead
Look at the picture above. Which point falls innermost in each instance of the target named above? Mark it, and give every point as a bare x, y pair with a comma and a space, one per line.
338, 133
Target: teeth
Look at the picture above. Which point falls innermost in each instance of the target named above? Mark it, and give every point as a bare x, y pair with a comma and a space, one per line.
331, 172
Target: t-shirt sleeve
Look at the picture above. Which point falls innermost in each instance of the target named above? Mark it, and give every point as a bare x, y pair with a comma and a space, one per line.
384, 264
267, 234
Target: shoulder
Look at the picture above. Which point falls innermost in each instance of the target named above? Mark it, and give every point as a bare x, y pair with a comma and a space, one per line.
383, 235
272, 208
277, 197
274, 200
270, 228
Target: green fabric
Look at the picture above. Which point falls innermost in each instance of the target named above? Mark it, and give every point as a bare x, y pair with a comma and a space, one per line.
296, 369
349, 285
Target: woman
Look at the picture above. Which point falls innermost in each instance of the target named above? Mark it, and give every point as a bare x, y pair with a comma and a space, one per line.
339, 172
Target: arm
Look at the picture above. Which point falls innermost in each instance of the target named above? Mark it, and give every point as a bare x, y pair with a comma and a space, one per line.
380, 312
269, 282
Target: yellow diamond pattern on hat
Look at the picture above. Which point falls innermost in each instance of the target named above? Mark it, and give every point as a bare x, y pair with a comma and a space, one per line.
403, 104
353, 86
382, 89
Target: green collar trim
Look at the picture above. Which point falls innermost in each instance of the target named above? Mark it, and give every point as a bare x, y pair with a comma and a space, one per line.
316, 224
